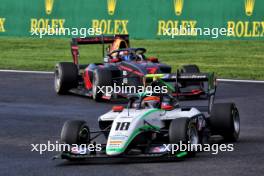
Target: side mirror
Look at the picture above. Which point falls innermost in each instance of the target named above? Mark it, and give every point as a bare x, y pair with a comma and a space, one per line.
117, 108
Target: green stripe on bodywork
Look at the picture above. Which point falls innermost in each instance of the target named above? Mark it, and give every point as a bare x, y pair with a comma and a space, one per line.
136, 132
149, 112
154, 76
182, 154
143, 94
169, 86
158, 77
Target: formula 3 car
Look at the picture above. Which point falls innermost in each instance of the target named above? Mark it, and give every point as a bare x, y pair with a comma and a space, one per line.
149, 123
123, 66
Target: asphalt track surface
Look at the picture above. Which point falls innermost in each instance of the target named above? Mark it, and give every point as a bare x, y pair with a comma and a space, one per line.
30, 112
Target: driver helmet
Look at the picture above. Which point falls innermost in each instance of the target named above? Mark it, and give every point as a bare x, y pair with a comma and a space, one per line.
169, 101
151, 102
124, 55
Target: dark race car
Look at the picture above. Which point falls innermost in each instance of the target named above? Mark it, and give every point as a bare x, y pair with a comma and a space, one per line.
122, 66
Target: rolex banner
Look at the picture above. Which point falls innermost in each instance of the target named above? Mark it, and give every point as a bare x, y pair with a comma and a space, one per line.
141, 19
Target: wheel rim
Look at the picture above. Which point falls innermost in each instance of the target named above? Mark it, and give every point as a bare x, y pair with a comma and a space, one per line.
57, 80
84, 135
193, 136
236, 122
94, 89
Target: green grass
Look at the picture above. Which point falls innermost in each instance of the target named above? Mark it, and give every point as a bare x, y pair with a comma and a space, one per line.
228, 59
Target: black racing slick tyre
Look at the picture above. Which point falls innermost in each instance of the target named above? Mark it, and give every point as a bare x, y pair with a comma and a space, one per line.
225, 121
75, 132
190, 69
101, 78
182, 130
65, 77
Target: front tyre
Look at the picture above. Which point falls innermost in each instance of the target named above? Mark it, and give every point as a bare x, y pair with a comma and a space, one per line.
182, 130
65, 77
75, 132
225, 121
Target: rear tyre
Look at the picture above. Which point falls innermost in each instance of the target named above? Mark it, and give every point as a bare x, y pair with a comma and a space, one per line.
225, 121
65, 77
101, 78
75, 132
182, 130
190, 69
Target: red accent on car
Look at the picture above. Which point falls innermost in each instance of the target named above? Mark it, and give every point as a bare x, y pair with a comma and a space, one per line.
193, 92
106, 97
87, 81
75, 47
196, 91
115, 60
167, 107
117, 108
152, 70
75, 53
151, 98
153, 59
131, 70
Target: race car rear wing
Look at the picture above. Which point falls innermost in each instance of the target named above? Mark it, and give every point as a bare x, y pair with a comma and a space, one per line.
181, 76
98, 39
94, 40
165, 79
184, 77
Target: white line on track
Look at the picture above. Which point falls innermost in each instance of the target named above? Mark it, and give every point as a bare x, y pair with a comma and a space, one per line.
24, 71
240, 81
46, 72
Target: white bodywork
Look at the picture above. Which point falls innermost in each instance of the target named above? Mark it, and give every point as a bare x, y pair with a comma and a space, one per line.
129, 123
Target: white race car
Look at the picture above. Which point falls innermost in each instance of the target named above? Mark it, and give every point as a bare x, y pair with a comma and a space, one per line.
147, 126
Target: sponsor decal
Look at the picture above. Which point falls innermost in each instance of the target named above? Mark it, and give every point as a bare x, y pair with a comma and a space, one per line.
111, 26
164, 27
246, 29
48, 6
46, 24
193, 76
115, 142
118, 137
111, 5
178, 6
249, 7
